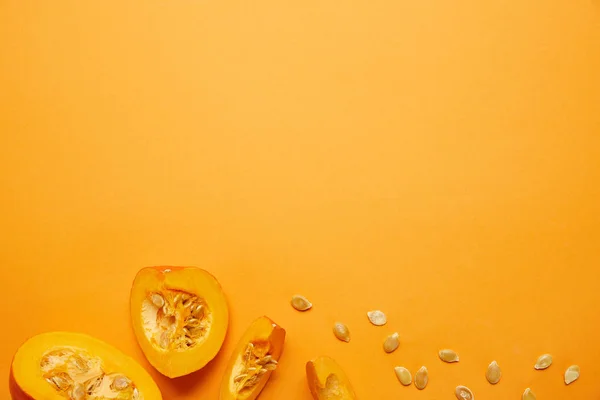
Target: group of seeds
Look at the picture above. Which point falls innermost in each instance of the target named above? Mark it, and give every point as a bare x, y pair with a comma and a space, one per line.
255, 363
181, 319
391, 343
78, 376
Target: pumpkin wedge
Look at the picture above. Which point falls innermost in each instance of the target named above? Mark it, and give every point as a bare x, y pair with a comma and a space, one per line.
254, 359
74, 366
180, 318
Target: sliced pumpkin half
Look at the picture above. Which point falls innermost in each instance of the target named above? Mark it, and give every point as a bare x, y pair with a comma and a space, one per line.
327, 380
74, 366
180, 318
253, 360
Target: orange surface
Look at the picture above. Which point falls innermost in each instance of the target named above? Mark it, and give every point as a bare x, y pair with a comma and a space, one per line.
438, 160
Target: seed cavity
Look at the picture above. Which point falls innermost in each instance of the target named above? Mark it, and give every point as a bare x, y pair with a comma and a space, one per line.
300, 303
528, 395
77, 375
543, 361
463, 393
391, 343
377, 317
421, 378
175, 319
403, 375
448, 355
256, 362
341, 332
571, 374
493, 373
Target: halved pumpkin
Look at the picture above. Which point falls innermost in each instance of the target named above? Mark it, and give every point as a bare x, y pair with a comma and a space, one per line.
253, 360
74, 366
180, 318
327, 380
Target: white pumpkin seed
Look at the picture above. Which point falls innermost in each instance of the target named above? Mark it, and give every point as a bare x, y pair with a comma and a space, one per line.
448, 355
543, 361
571, 374
463, 393
391, 343
528, 395
300, 303
421, 378
157, 300
341, 332
403, 375
493, 373
377, 317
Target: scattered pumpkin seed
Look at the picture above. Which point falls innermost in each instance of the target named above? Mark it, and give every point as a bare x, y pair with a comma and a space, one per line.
421, 378
571, 374
528, 395
463, 393
448, 355
341, 332
300, 303
543, 361
391, 343
377, 317
403, 375
493, 373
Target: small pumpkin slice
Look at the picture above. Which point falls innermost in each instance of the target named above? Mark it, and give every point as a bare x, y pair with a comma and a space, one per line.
64, 365
180, 318
253, 360
327, 380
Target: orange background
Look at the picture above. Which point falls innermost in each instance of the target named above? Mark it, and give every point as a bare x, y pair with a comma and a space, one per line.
439, 160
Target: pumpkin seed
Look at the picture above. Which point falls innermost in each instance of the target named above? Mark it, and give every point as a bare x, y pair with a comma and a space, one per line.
341, 332
270, 366
403, 375
421, 378
93, 384
120, 382
448, 356
300, 303
77, 393
391, 343
157, 300
61, 381
239, 377
528, 395
377, 317
463, 393
571, 374
543, 361
493, 373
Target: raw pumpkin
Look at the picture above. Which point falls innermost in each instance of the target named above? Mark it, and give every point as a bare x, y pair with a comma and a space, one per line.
74, 366
327, 380
254, 359
180, 318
